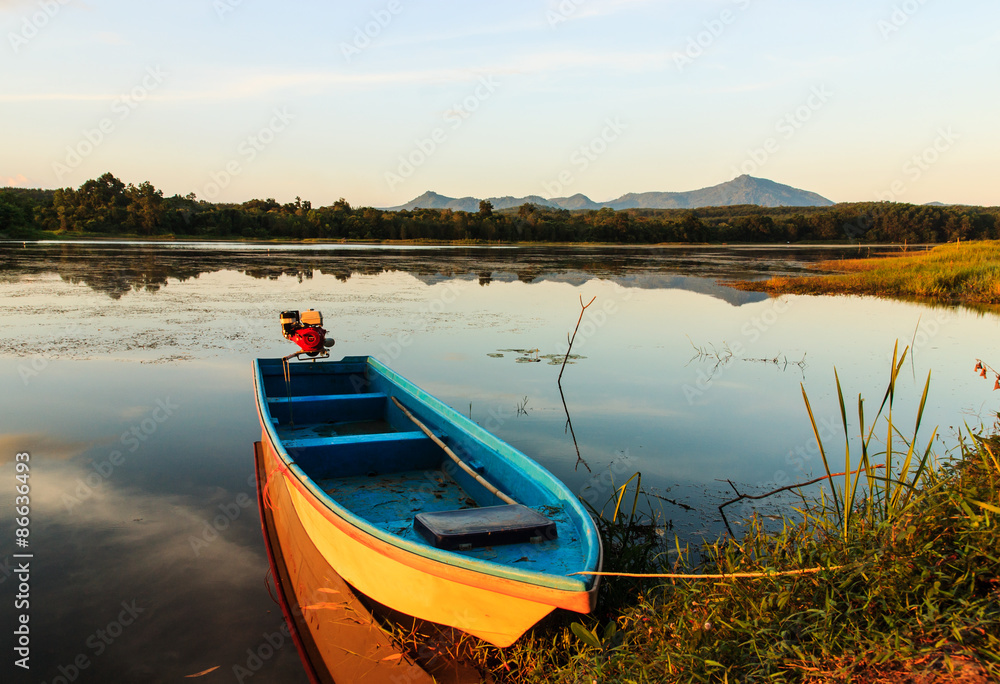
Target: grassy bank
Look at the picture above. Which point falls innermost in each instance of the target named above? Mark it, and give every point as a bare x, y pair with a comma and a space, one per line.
967, 272
900, 581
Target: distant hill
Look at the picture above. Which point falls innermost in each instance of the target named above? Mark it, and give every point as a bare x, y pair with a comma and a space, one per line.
742, 190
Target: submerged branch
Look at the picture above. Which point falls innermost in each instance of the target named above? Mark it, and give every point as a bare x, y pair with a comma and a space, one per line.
741, 497
569, 426
569, 423
571, 339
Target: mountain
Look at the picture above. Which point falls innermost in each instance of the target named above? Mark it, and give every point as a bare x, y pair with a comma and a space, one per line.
742, 190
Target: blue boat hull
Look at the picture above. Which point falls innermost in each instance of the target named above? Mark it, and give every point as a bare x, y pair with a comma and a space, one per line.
357, 471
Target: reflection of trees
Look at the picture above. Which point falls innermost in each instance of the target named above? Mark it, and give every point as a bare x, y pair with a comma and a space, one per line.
141, 270
116, 269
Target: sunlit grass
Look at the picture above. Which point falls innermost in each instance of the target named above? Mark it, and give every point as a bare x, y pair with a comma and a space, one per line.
966, 272
911, 591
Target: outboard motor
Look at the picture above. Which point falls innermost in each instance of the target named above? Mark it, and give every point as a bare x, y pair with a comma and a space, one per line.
306, 331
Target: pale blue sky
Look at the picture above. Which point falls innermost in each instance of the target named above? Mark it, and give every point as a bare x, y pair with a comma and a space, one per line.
380, 101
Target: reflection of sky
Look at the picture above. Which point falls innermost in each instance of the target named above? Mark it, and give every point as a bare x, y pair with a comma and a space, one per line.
121, 544
635, 392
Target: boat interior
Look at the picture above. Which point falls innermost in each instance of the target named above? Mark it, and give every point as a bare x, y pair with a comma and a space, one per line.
338, 423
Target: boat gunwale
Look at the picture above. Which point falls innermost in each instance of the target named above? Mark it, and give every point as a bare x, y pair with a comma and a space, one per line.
561, 583
299, 628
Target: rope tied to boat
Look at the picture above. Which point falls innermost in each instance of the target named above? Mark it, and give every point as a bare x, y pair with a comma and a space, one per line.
730, 575
461, 464
266, 491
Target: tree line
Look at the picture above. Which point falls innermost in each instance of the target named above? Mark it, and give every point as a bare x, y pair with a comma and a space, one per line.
107, 206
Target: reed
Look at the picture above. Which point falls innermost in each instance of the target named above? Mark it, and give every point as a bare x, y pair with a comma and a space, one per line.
967, 272
886, 496
911, 593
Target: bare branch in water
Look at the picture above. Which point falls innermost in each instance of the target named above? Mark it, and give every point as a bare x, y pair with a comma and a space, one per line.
671, 501
569, 426
569, 423
741, 497
571, 339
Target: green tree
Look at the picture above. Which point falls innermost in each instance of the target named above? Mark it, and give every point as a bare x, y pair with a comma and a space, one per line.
145, 209
16, 214
101, 204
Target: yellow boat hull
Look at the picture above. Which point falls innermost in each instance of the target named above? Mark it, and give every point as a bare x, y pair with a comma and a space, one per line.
497, 610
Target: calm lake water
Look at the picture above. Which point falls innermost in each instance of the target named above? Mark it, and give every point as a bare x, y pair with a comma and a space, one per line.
126, 376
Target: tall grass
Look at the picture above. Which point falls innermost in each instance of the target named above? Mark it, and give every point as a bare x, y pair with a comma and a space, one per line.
890, 489
967, 272
912, 593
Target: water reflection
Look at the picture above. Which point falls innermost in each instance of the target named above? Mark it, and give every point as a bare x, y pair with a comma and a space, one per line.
336, 630
116, 269
98, 339
119, 591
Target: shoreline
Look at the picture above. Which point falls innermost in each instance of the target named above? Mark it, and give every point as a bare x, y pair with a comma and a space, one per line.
966, 273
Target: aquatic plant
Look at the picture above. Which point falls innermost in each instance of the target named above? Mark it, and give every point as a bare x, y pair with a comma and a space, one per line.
887, 575
967, 272
887, 494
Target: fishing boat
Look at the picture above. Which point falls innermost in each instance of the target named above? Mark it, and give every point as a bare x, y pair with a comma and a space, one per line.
341, 636
415, 505
353, 647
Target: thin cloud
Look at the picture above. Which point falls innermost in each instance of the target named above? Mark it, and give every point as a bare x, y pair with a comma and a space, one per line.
255, 85
111, 38
597, 8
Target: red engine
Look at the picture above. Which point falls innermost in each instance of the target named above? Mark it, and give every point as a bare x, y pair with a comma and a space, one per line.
305, 330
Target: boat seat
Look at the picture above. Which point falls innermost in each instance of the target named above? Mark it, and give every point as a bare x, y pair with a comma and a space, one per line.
469, 528
324, 408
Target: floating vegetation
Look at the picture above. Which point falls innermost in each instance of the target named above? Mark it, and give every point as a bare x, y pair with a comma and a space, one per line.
725, 354
533, 356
